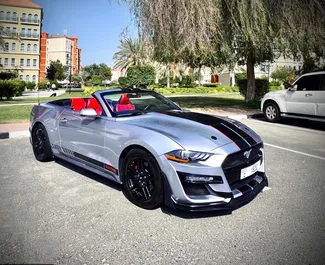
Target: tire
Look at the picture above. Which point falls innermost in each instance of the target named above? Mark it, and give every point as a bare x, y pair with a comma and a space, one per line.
41, 144
142, 181
271, 112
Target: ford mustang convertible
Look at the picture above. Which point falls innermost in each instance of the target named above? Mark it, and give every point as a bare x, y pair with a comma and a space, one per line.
159, 152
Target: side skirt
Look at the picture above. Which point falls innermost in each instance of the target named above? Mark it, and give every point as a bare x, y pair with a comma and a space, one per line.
83, 164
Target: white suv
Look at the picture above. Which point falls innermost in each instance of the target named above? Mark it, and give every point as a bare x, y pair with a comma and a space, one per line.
304, 99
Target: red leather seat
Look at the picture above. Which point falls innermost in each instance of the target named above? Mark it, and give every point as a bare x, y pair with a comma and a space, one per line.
92, 103
124, 104
78, 104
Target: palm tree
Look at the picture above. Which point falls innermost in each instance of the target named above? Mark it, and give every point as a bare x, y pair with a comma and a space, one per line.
131, 52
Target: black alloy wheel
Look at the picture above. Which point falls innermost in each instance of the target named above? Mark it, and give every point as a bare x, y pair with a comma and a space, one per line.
142, 180
41, 144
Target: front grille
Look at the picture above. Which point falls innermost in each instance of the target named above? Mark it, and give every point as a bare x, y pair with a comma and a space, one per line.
195, 189
234, 163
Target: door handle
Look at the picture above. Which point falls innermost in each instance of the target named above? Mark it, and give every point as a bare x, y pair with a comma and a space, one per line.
63, 121
308, 95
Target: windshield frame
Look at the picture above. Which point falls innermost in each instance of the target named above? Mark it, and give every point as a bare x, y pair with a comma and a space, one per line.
102, 93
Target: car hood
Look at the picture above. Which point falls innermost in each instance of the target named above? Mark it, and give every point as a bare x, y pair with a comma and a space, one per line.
276, 93
196, 131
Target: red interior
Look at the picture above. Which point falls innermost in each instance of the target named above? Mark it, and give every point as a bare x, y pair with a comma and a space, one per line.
92, 103
124, 104
78, 104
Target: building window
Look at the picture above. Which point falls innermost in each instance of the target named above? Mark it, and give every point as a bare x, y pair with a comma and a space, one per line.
8, 15
2, 15
35, 18
35, 35
28, 62
0, 61
29, 19
6, 61
14, 16
28, 47
29, 32
7, 46
22, 47
8, 30
27, 78
34, 62
34, 78
13, 61
13, 46
35, 48
14, 31
23, 17
21, 77
21, 62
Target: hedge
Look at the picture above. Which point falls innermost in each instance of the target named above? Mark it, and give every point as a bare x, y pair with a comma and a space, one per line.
261, 87
10, 88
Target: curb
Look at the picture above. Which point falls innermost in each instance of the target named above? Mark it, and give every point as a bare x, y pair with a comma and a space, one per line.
17, 134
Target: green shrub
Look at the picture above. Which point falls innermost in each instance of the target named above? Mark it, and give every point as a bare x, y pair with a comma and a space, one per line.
30, 85
123, 81
240, 76
275, 88
7, 75
140, 76
261, 87
42, 85
275, 83
195, 90
19, 87
7, 89
282, 73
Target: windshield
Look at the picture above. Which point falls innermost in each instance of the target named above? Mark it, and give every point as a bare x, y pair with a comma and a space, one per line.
137, 102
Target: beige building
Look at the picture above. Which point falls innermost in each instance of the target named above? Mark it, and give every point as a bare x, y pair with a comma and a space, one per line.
20, 21
63, 48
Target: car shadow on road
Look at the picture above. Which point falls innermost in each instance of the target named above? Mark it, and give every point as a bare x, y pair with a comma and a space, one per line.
90, 174
299, 123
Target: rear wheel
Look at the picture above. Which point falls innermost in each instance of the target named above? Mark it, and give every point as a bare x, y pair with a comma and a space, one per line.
271, 112
142, 180
41, 144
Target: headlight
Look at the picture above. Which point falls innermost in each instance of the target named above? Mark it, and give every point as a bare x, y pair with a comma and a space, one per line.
183, 156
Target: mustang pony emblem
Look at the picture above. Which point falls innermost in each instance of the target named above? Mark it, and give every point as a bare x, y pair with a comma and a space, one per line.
247, 153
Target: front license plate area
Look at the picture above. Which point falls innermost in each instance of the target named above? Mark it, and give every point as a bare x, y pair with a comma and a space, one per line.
248, 171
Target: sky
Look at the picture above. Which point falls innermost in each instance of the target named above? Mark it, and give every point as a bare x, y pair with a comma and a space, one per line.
98, 24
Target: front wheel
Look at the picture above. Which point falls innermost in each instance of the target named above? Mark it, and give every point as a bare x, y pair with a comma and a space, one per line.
142, 180
271, 112
41, 144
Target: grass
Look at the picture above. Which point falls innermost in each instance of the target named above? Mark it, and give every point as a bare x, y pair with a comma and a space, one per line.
14, 114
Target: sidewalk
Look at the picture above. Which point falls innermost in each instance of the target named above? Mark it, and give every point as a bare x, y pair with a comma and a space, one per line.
12, 130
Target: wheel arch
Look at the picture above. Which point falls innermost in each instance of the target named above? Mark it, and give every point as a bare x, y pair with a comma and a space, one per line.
271, 101
34, 126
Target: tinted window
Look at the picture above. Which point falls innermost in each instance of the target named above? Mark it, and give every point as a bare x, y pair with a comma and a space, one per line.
322, 82
309, 83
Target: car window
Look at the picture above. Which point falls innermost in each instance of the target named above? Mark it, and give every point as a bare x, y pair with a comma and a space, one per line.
322, 83
308, 83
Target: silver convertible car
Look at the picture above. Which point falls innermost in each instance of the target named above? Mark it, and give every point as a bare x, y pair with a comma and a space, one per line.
161, 153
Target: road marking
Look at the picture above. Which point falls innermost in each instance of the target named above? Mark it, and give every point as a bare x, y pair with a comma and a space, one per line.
294, 151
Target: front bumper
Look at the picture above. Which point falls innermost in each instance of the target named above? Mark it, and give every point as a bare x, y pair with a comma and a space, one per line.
235, 202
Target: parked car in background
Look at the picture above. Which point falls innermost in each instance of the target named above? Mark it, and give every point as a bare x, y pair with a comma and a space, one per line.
304, 99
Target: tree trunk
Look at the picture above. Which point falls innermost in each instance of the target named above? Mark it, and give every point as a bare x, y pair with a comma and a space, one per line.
250, 93
199, 75
168, 76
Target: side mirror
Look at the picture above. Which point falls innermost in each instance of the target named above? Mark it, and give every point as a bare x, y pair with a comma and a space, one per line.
88, 113
293, 88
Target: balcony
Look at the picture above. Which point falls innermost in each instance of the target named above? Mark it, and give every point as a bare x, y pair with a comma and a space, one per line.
13, 35
32, 36
31, 21
9, 19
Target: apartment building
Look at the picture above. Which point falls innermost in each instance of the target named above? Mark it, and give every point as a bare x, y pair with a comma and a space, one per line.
21, 22
63, 48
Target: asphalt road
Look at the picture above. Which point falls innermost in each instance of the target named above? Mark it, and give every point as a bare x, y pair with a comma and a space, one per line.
55, 213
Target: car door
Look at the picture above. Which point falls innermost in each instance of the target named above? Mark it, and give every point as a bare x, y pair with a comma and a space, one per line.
82, 136
320, 97
302, 99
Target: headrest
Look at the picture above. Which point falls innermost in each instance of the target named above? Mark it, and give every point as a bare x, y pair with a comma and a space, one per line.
124, 100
